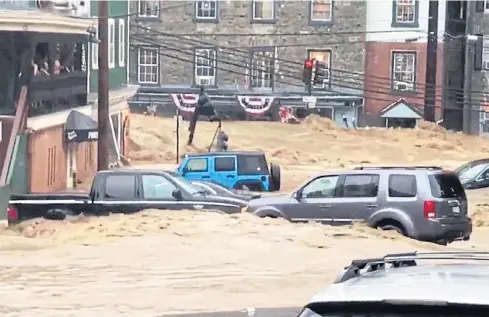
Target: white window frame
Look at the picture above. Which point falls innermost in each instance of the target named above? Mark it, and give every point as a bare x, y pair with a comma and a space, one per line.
122, 42
485, 52
111, 42
330, 2
405, 5
410, 84
205, 59
154, 51
259, 77
94, 47
321, 51
151, 15
253, 10
202, 3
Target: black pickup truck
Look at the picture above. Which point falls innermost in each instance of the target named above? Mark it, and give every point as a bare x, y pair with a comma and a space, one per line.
122, 191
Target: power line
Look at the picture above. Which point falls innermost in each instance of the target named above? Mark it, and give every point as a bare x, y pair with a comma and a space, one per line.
285, 61
295, 63
190, 53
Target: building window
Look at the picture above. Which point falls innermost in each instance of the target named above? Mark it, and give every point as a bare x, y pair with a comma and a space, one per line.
122, 43
263, 10
323, 59
321, 10
403, 74
148, 65
485, 52
405, 13
94, 49
262, 68
149, 8
205, 66
111, 43
206, 10
486, 5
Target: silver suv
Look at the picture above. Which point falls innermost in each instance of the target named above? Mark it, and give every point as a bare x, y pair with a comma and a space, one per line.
408, 284
424, 203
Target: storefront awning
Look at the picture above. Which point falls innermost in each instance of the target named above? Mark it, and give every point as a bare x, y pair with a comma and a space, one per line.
80, 128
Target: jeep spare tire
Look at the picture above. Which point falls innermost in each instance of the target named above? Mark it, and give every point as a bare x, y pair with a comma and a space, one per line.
274, 177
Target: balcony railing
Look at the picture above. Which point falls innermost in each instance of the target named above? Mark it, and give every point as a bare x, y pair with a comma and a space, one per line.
48, 94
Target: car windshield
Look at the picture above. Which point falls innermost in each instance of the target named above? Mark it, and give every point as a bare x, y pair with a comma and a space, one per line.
185, 184
472, 172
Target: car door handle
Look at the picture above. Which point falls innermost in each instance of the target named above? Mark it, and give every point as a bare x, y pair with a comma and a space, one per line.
324, 206
206, 177
371, 206
230, 176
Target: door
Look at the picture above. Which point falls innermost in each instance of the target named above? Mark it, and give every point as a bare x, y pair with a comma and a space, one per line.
357, 198
119, 194
197, 169
482, 180
157, 192
225, 170
316, 201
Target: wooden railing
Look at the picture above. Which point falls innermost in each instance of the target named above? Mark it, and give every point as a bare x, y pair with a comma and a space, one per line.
19, 125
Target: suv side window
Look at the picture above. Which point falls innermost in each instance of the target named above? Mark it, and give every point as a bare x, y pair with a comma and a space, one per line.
322, 187
120, 187
361, 186
157, 187
224, 164
252, 165
402, 185
197, 165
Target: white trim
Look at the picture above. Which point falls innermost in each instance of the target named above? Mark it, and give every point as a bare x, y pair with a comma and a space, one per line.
215, 2
144, 15
153, 50
254, 2
94, 48
411, 85
205, 56
122, 43
128, 59
311, 8
42, 22
111, 42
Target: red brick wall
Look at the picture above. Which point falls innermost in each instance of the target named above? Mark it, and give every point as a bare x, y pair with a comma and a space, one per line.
378, 93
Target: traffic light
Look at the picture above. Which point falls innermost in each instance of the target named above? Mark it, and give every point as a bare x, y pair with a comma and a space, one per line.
222, 141
321, 73
307, 73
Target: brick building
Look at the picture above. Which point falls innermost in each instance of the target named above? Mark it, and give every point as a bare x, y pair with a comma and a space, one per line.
395, 62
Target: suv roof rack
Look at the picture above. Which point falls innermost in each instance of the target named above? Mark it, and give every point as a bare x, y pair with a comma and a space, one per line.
397, 260
398, 167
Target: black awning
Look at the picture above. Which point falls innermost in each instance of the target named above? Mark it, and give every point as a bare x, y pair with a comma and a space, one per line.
80, 128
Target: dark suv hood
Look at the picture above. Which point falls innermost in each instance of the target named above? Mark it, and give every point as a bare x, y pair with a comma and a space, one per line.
224, 199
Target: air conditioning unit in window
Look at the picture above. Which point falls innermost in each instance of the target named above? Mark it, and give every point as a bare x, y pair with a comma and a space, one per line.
485, 65
403, 86
205, 81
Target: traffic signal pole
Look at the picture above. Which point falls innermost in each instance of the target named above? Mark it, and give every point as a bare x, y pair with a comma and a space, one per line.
103, 87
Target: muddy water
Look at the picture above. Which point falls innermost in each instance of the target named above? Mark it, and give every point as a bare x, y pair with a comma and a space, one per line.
191, 263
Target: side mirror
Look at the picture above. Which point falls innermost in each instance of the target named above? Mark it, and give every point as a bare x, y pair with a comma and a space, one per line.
185, 170
177, 194
297, 195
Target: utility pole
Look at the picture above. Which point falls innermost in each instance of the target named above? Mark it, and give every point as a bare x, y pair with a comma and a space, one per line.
468, 69
431, 68
103, 86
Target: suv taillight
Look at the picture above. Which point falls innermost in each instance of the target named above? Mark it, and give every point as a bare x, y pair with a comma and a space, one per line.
429, 209
12, 213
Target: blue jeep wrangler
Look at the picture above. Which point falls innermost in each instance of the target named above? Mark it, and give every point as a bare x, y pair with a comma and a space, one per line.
239, 170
